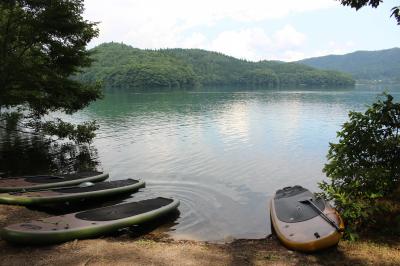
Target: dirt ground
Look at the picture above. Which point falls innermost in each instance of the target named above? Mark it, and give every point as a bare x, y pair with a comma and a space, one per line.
155, 248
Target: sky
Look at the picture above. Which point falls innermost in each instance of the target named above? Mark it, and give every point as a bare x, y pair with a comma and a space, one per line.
286, 30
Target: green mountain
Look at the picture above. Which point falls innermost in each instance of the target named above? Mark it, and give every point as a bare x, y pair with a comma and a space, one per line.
362, 65
121, 66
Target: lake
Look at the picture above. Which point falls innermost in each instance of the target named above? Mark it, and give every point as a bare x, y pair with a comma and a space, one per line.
222, 153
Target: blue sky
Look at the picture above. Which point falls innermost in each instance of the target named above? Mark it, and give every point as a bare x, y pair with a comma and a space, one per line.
285, 30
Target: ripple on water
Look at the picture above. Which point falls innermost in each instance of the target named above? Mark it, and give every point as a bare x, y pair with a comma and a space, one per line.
213, 212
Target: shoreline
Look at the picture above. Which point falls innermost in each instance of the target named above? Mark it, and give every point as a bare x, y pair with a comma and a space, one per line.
157, 248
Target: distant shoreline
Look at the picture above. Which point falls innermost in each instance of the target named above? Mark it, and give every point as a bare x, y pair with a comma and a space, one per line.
122, 66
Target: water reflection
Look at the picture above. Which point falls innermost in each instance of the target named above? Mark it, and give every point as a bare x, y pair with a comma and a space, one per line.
26, 154
222, 153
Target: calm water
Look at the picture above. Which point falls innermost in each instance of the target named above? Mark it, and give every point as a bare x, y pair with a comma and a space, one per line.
223, 154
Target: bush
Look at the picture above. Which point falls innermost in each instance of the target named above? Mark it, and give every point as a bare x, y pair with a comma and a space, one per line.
364, 166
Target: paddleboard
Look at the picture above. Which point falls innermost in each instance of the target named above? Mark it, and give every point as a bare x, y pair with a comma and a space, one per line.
49, 181
73, 193
88, 224
299, 225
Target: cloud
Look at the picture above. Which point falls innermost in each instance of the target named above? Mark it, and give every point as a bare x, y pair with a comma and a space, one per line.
193, 13
159, 23
246, 43
195, 40
290, 56
334, 47
288, 37
255, 44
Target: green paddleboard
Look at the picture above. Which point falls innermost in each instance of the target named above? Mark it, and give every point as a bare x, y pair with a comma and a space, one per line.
49, 181
73, 193
88, 224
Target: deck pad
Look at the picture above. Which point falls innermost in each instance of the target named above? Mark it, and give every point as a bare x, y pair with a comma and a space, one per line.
98, 186
123, 210
48, 181
42, 179
73, 193
289, 207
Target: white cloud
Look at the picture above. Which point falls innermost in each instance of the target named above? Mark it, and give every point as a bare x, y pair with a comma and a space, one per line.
247, 43
160, 24
334, 47
255, 44
200, 12
195, 40
290, 56
289, 37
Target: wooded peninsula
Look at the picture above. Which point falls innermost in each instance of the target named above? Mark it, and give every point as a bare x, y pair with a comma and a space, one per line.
117, 65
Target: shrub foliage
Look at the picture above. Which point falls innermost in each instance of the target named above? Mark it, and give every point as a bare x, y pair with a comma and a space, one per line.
364, 166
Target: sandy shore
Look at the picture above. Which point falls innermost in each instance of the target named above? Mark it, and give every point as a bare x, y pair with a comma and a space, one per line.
155, 248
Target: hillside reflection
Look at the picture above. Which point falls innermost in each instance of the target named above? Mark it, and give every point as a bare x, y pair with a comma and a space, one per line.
26, 154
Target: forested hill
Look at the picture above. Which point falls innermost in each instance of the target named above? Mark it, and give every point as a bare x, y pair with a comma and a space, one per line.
363, 65
122, 66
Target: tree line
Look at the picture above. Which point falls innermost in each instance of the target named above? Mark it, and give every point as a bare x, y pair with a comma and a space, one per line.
117, 65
